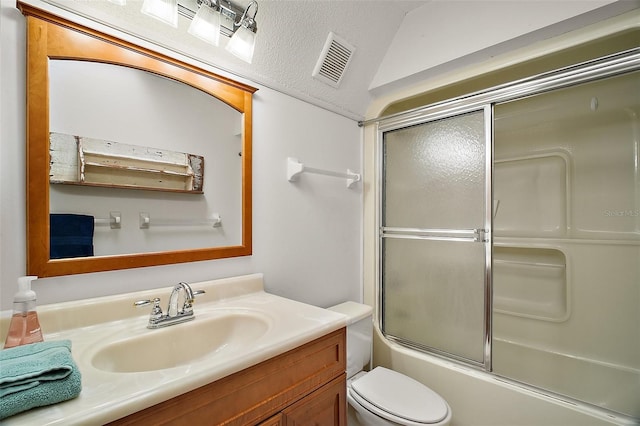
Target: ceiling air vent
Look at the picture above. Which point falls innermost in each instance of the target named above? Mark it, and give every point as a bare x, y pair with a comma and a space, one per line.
333, 60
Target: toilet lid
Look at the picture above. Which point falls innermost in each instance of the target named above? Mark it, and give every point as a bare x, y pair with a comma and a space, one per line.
400, 396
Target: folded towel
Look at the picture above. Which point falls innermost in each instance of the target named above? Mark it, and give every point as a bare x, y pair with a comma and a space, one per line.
71, 235
36, 375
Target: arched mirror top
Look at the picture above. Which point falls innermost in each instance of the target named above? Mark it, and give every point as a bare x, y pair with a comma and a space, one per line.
62, 39
52, 38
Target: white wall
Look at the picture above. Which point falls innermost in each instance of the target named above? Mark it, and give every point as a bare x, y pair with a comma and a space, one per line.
306, 235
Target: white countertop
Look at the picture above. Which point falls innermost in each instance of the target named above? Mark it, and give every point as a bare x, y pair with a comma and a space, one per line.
107, 396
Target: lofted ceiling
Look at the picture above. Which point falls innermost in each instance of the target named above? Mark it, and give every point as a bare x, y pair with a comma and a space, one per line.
290, 39
389, 49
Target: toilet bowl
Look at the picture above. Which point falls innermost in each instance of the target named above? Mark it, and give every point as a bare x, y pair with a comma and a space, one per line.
383, 396
386, 397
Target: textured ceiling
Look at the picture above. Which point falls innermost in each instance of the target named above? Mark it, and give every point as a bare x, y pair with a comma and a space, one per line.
289, 55
291, 36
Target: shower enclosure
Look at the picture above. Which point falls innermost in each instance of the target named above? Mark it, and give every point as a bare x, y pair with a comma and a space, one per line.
510, 232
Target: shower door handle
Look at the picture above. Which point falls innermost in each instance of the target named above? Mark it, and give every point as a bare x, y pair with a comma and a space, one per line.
482, 235
471, 235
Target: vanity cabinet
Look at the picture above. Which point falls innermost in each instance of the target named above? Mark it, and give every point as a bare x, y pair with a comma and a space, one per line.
326, 406
304, 386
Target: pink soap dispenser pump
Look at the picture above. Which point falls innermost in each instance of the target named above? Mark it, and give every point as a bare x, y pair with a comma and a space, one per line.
24, 327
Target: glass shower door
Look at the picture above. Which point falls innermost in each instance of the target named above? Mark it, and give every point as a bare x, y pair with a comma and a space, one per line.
434, 236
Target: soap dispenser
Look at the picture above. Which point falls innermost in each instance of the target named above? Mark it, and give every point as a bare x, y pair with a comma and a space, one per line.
24, 327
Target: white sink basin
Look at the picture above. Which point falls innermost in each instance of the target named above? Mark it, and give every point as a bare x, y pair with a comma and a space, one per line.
182, 344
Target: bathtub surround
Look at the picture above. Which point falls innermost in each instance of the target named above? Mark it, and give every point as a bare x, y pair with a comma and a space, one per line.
561, 263
551, 260
547, 192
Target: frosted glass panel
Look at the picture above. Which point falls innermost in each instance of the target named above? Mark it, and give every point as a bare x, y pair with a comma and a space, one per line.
437, 168
434, 294
433, 287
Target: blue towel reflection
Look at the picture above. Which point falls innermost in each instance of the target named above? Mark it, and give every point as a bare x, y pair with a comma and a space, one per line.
71, 235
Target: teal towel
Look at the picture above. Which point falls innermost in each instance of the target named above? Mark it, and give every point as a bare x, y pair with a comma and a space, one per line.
36, 375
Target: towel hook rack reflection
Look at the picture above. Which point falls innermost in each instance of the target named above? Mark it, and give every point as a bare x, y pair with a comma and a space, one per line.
295, 168
146, 221
114, 221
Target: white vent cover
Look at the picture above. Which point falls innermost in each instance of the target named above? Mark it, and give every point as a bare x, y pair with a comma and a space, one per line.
333, 60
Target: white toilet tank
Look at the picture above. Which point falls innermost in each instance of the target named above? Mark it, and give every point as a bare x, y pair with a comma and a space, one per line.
359, 334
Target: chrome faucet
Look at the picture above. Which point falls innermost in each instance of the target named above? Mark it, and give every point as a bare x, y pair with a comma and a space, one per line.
173, 316
172, 309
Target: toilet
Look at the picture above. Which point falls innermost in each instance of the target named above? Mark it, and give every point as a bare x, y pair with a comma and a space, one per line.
382, 396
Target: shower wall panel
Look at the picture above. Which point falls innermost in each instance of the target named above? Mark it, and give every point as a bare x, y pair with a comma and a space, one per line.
567, 242
530, 282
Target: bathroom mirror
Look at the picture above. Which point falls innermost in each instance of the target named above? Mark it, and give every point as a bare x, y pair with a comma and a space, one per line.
57, 47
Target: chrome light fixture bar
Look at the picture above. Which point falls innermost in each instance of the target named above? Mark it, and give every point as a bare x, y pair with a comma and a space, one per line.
210, 19
228, 14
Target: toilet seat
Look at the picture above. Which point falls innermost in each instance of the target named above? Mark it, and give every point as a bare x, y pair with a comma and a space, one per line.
398, 398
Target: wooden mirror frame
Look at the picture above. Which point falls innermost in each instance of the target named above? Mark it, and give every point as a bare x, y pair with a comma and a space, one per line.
52, 37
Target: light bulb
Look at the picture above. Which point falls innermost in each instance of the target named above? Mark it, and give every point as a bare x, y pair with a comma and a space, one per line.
163, 10
242, 44
206, 25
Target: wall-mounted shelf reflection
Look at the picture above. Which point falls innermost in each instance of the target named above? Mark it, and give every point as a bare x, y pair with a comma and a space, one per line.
81, 160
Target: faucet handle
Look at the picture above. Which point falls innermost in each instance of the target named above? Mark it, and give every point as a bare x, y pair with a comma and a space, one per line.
155, 301
188, 304
156, 310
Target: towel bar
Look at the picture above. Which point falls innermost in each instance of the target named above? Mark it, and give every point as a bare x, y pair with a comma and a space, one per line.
295, 168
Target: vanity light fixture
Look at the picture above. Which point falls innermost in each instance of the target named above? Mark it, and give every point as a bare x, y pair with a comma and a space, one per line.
243, 41
213, 17
163, 10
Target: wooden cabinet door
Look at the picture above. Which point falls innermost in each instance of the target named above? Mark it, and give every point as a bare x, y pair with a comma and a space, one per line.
273, 421
325, 407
